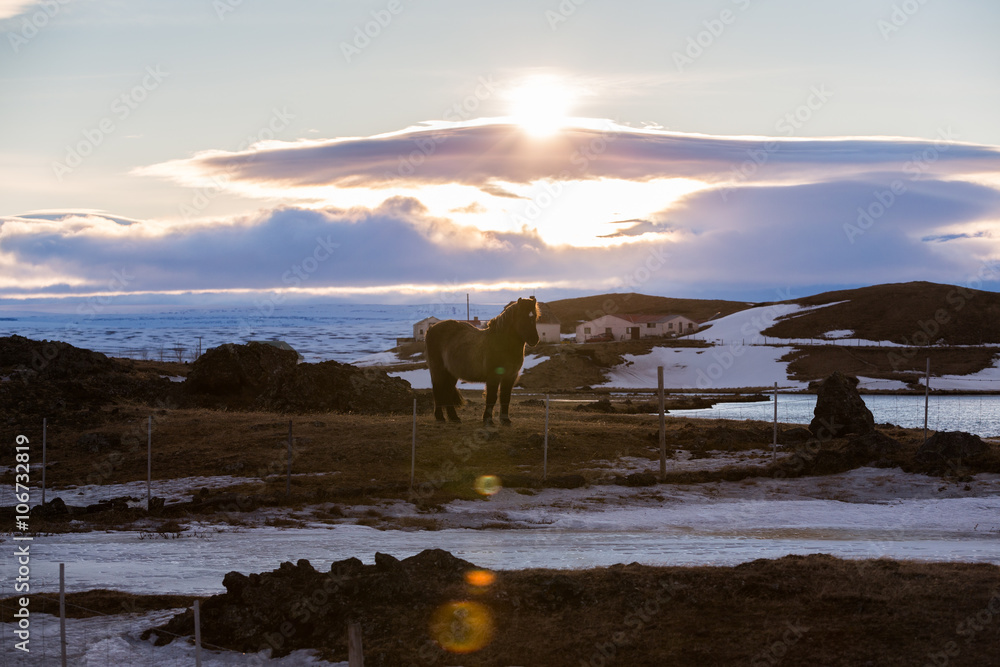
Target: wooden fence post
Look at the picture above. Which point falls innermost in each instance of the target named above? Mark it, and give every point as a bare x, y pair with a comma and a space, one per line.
355, 651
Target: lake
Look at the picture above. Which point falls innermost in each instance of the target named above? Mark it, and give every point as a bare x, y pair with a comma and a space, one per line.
973, 414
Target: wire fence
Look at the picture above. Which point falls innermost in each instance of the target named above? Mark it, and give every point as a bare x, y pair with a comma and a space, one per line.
91, 637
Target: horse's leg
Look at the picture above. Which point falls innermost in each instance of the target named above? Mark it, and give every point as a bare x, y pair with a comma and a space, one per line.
505, 386
491, 400
445, 394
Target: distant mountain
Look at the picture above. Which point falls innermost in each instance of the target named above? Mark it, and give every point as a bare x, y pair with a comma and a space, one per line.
915, 313
581, 309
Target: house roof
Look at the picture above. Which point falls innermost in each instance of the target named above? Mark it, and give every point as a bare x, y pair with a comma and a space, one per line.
547, 315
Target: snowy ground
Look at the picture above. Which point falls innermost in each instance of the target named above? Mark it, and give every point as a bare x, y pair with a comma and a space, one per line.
421, 378
740, 359
114, 640
864, 513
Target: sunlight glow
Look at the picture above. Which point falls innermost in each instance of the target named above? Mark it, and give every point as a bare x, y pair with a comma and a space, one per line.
541, 105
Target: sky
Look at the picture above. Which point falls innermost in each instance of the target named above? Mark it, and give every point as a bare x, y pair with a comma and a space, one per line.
392, 151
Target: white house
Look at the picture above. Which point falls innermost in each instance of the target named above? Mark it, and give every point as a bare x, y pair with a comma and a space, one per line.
421, 327
634, 327
547, 325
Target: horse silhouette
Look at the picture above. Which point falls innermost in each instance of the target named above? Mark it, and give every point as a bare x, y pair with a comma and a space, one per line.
494, 355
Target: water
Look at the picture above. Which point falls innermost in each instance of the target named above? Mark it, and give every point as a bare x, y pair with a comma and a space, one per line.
342, 332
973, 414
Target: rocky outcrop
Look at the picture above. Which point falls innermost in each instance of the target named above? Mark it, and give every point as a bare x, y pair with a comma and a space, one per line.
949, 451
262, 377
297, 606
67, 384
840, 411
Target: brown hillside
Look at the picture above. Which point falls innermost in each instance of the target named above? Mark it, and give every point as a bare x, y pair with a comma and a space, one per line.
573, 311
917, 313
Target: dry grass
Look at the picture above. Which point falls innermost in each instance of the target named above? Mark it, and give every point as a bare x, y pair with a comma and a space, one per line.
357, 457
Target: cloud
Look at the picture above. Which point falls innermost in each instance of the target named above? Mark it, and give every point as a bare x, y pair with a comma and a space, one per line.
484, 155
9, 8
648, 211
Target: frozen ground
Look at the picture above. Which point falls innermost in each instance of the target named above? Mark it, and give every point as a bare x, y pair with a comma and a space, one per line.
864, 513
107, 641
739, 358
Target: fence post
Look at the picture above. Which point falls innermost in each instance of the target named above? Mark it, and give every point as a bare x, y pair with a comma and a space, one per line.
197, 634
288, 475
927, 394
44, 448
663, 424
355, 651
774, 443
545, 442
149, 461
62, 612
413, 448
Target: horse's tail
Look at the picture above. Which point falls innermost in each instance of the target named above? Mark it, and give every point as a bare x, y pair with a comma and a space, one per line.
442, 380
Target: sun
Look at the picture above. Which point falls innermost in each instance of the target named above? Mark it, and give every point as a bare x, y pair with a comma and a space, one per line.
540, 105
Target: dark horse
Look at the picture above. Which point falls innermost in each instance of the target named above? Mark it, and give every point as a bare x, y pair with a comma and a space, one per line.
492, 355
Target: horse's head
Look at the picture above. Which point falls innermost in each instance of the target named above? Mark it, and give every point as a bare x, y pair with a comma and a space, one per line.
525, 320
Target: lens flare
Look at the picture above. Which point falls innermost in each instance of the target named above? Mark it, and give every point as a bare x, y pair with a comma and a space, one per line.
480, 578
462, 627
488, 485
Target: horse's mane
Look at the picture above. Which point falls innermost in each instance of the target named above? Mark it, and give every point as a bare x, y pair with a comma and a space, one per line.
504, 320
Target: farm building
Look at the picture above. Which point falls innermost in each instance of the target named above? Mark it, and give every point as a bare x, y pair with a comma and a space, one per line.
421, 327
547, 325
634, 327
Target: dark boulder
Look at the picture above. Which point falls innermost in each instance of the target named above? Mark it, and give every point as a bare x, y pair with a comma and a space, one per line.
259, 376
873, 446
566, 482
232, 370
393, 595
337, 387
952, 446
840, 411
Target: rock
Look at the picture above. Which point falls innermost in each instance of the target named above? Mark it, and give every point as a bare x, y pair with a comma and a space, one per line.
840, 410
874, 446
386, 561
53, 508
231, 369
566, 482
796, 435
255, 611
99, 443
603, 405
263, 377
66, 384
952, 446
640, 479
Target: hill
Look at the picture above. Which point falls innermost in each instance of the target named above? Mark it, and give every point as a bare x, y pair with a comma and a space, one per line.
573, 311
915, 313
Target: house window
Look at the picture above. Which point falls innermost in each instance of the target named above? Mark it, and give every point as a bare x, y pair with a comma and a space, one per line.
670, 325
690, 325
650, 325
586, 330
